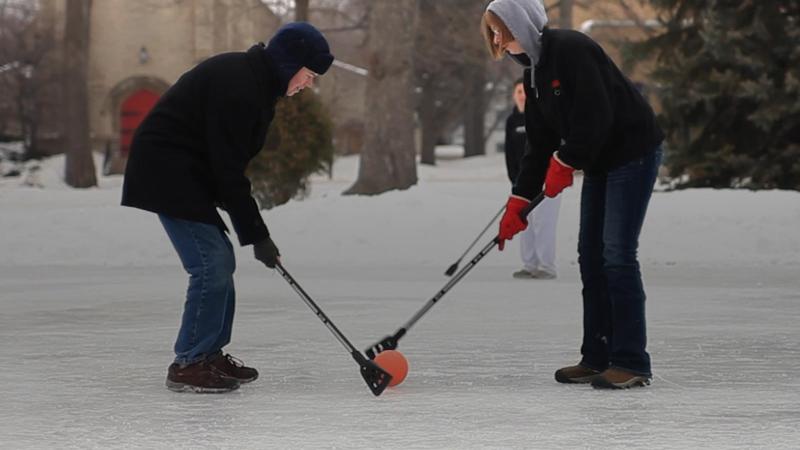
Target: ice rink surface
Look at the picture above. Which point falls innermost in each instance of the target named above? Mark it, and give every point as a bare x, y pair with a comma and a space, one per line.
91, 296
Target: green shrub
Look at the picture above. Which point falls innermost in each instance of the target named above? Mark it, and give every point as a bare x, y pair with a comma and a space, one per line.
299, 143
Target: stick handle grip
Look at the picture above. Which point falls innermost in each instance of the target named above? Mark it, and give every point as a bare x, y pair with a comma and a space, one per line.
527, 210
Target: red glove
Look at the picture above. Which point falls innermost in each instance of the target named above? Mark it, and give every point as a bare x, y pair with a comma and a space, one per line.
559, 176
512, 223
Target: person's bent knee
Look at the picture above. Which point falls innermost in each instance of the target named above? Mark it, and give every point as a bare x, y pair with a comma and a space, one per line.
619, 257
221, 265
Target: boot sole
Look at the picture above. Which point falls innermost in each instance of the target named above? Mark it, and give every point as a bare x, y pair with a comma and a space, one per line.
602, 383
246, 380
533, 276
183, 387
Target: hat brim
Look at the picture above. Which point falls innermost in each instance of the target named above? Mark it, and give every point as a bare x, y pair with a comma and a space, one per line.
320, 63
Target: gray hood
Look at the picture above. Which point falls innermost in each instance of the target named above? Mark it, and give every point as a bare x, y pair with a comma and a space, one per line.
525, 19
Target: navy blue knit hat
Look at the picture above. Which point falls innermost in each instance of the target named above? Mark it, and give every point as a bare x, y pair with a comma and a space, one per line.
297, 45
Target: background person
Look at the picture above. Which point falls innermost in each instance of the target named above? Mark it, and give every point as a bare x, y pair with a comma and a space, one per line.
538, 240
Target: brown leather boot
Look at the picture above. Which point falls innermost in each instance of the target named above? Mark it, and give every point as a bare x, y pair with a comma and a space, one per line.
199, 377
576, 374
616, 378
233, 367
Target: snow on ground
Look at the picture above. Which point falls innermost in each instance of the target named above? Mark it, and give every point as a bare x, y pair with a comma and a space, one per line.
91, 295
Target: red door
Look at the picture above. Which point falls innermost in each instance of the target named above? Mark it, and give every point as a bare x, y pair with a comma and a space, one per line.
134, 109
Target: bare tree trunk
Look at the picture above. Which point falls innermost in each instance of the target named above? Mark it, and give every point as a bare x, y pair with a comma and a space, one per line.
443, 26
565, 14
474, 115
388, 160
476, 96
25, 103
301, 10
80, 171
25, 42
430, 129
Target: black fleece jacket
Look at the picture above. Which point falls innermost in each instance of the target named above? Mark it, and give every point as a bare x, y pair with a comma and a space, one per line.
582, 98
190, 153
515, 142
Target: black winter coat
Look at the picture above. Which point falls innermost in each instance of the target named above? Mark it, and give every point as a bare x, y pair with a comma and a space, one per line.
190, 153
515, 142
580, 96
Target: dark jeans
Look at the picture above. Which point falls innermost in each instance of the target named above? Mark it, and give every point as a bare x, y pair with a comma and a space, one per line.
207, 256
613, 208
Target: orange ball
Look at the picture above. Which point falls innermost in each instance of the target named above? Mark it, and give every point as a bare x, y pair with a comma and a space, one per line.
394, 363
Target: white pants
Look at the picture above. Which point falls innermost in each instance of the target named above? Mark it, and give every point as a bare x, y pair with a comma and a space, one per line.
538, 241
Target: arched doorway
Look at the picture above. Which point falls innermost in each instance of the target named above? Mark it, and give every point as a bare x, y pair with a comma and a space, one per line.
132, 111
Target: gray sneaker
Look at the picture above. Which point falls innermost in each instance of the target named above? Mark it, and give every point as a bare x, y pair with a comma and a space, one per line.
523, 274
537, 274
544, 274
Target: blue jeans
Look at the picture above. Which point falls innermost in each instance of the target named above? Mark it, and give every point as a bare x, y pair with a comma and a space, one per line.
207, 255
613, 207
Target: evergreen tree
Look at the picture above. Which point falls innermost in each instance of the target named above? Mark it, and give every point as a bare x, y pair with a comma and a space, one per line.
298, 144
729, 78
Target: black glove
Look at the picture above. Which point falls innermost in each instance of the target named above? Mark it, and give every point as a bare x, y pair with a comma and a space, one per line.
266, 252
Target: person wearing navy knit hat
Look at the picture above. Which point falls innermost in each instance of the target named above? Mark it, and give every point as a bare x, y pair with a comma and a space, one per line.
298, 45
188, 158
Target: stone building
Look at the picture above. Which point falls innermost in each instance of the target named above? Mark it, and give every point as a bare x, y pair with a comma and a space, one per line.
139, 48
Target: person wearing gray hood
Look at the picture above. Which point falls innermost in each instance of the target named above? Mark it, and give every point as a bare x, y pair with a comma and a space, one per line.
582, 113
